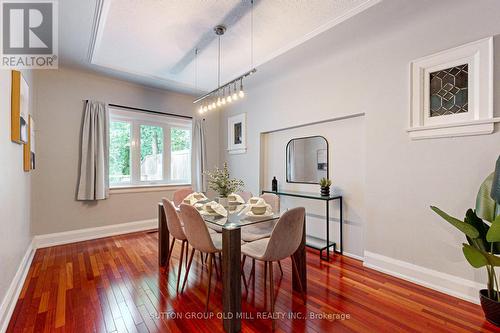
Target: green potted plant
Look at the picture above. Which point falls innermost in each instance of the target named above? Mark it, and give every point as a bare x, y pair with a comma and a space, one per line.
325, 186
482, 231
219, 181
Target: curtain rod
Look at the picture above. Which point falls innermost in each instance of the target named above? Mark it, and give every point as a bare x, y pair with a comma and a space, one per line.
148, 111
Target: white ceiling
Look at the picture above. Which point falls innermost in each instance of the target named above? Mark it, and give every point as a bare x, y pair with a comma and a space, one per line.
152, 42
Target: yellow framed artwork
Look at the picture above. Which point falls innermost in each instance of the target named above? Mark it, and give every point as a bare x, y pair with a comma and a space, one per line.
29, 147
19, 108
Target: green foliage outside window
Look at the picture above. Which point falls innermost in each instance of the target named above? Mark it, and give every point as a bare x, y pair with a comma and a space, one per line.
119, 148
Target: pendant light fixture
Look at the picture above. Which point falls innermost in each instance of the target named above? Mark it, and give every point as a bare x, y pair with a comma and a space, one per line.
218, 97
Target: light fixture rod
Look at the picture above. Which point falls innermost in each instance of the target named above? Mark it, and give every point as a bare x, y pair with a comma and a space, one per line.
250, 72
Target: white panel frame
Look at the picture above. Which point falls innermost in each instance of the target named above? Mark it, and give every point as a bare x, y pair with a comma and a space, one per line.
479, 119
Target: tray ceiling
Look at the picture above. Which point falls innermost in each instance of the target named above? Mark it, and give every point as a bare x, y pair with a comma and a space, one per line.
153, 41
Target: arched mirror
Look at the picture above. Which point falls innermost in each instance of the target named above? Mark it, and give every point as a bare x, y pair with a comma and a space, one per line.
306, 160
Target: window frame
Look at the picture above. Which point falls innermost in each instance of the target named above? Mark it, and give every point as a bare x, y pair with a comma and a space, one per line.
136, 119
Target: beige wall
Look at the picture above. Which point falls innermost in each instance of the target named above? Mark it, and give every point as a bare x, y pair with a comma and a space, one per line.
362, 65
60, 101
15, 191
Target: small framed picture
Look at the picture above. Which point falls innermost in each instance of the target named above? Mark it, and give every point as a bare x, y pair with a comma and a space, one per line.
236, 134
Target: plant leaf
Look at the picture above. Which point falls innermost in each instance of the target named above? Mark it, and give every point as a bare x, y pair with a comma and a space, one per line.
474, 256
493, 234
485, 205
466, 228
495, 187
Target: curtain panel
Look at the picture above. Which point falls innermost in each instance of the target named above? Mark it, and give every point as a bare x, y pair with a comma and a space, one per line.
198, 156
94, 174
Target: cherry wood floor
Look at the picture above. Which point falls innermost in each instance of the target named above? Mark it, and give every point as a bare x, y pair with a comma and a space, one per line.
115, 285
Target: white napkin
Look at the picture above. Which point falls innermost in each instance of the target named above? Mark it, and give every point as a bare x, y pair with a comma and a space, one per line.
217, 207
238, 198
260, 202
191, 199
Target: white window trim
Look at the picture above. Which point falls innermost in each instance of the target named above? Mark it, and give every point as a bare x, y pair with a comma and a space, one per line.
479, 119
137, 119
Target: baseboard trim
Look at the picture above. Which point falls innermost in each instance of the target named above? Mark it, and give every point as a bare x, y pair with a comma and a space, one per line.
449, 284
66, 237
353, 256
10, 300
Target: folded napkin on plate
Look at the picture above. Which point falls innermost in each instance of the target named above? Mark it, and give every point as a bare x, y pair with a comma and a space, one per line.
233, 197
217, 207
256, 201
194, 197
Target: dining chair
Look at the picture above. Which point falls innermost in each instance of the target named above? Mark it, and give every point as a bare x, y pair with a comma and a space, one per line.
176, 230
284, 241
262, 230
181, 194
200, 239
273, 200
245, 195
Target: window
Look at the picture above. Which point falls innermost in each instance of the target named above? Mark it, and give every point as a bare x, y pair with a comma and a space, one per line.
147, 149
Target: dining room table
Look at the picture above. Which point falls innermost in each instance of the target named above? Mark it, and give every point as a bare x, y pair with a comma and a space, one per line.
231, 226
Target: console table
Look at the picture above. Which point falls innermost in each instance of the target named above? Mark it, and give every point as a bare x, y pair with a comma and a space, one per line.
310, 240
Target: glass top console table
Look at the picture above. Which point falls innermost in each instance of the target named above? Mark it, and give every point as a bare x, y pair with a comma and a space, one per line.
314, 242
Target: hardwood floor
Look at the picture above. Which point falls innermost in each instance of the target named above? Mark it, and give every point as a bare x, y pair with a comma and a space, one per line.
115, 285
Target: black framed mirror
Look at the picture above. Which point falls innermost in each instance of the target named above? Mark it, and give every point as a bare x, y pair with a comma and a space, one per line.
307, 160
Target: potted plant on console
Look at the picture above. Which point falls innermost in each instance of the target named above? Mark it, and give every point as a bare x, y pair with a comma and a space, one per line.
219, 181
482, 231
325, 186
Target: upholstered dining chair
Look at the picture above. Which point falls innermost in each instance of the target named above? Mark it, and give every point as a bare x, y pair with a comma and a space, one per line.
284, 241
200, 239
245, 195
262, 230
273, 200
176, 231
181, 194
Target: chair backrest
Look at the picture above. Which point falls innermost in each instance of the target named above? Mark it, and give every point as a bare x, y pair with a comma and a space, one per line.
181, 194
286, 235
196, 230
245, 195
173, 221
273, 200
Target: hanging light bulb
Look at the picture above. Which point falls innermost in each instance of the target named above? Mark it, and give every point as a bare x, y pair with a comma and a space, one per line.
235, 95
223, 100
229, 99
219, 103
200, 110
214, 106
241, 93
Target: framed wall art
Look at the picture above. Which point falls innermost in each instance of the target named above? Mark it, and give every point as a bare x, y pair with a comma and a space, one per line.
20, 96
29, 147
236, 134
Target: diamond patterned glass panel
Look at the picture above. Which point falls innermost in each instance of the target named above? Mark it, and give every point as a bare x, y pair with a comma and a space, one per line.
449, 91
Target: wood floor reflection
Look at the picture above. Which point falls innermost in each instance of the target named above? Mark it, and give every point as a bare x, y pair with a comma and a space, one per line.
114, 284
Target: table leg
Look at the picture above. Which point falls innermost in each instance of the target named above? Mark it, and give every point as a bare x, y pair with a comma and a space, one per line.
341, 223
163, 237
327, 230
231, 279
300, 261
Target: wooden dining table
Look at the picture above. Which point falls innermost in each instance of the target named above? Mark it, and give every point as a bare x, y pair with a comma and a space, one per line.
231, 257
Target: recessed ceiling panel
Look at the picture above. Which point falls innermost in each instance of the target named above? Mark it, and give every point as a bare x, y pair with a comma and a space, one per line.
157, 38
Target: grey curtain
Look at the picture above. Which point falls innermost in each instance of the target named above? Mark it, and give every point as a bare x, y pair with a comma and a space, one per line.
198, 156
94, 178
